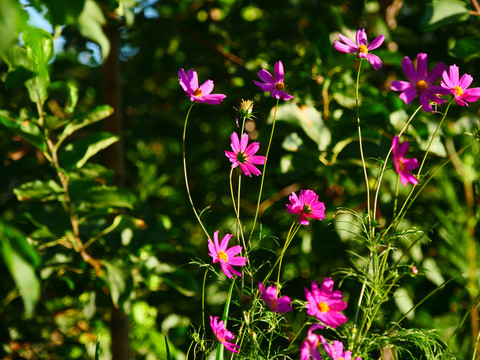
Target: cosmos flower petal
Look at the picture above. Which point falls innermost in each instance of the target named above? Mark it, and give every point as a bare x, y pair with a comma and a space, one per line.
376, 43
348, 42
409, 70
279, 72
361, 37
422, 67
435, 73
337, 45
265, 76
375, 61
465, 81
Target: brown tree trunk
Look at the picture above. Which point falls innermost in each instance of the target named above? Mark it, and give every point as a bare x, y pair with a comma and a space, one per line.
114, 159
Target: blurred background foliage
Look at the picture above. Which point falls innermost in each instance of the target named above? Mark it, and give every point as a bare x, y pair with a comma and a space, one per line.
126, 53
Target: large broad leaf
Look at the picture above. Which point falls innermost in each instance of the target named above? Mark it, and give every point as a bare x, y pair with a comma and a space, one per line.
309, 119
442, 12
38, 190
467, 48
82, 120
90, 23
77, 154
26, 129
21, 260
39, 45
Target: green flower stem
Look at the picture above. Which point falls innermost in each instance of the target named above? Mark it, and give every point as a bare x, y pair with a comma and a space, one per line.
364, 166
236, 208
291, 234
220, 346
203, 299
263, 172
185, 172
401, 213
375, 201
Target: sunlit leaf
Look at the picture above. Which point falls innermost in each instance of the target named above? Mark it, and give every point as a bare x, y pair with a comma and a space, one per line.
38, 190
90, 23
442, 12
77, 153
21, 260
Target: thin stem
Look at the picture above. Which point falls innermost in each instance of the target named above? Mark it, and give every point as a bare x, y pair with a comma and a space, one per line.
364, 166
203, 298
263, 172
400, 216
375, 201
185, 172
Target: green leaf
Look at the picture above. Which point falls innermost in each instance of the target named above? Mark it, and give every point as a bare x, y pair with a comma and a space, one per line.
82, 120
12, 20
442, 12
71, 89
108, 197
118, 280
466, 48
309, 119
18, 75
38, 190
21, 260
77, 153
39, 45
26, 129
90, 23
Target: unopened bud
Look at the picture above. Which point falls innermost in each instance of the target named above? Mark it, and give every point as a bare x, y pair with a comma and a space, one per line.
414, 270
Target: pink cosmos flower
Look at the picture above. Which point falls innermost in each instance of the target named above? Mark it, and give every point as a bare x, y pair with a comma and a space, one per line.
189, 83
421, 83
309, 348
402, 165
226, 257
361, 48
273, 84
280, 305
243, 155
459, 88
326, 304
223, 334
335, 350
307, 206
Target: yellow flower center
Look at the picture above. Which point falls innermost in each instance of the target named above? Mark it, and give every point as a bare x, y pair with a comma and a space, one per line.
401, 166
246, 106
421, 85
341, 358
363, 49
223, 256
279, 86
323, 307
458, 90
197, 92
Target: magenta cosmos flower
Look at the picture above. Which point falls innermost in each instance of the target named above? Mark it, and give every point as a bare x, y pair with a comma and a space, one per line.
459, 87
421, 83
278, 305
243, 155
309, 348
223, 334
360, 47
273, 83
402, 165
189, 83
226, 257
306, 205
336, 352
326, 304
